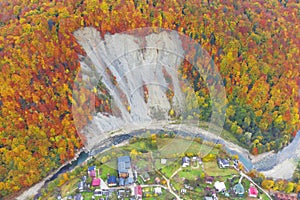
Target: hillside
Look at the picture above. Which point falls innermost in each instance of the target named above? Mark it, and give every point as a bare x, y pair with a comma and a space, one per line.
254, 44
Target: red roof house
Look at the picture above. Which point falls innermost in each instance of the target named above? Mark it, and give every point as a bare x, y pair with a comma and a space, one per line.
138, 192
252, 191
96, 182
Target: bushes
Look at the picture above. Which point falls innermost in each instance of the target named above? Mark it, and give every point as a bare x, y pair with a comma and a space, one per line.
289, 188
280, 185
209, 157
267, 184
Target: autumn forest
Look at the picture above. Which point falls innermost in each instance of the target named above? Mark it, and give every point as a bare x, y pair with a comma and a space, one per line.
254, 44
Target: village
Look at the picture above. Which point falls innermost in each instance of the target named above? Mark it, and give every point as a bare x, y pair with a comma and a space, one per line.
127, 184
167, 176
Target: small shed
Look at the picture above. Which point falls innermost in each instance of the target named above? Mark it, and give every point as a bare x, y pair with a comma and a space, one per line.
163, 161
239, 189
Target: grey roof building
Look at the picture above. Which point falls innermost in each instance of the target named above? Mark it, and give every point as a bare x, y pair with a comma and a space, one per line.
124, 165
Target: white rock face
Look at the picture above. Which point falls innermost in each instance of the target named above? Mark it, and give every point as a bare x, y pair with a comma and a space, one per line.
135, 62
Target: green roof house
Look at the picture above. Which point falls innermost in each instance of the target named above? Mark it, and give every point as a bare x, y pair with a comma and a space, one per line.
239, 189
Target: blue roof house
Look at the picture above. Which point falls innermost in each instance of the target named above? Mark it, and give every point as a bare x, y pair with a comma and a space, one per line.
223, 163
112, 181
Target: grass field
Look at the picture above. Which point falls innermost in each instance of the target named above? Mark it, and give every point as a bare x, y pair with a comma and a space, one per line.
189, 173
168, 170
168, 147
108, 168
212, 169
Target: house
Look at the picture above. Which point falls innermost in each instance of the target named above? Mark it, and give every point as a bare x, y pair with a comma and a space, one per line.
112, 181
185, 161
105, 192
220, 186
78, 197
236, 163
157, 190
125, 181
124, 165
239, 189
121, 181
138, 192
125, 171
91, 168
209, 179
84, 178
98, 193
212, 197
129, 181
92, 173
252, 192
223, 163
96, 182
183, 191
81, 186
186, 186
145, 176
163, 161
121, 194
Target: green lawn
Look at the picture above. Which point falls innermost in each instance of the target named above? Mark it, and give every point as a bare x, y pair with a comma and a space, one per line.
212, 169
87, 195
176, 183
170, 147
109, 168
143, 162
189, 173
169, 169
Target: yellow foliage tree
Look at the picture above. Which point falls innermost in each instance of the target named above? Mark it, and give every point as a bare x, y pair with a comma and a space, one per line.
267, 184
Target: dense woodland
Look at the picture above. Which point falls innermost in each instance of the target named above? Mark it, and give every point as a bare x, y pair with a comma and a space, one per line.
254, 44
